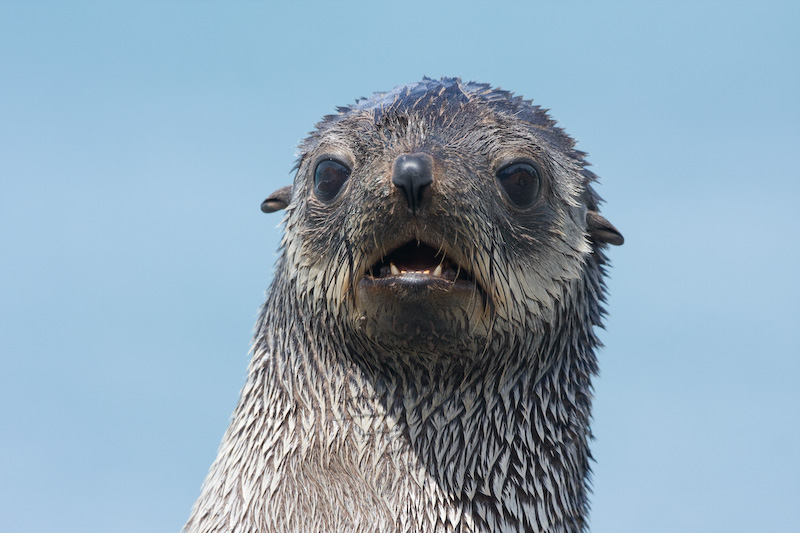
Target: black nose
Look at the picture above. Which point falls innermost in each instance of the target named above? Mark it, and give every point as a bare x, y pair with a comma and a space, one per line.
411, 174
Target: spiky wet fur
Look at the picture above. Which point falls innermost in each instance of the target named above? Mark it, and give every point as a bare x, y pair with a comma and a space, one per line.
339, 430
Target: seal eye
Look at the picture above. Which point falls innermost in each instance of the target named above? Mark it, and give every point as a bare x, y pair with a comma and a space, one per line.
521, 182
329, 176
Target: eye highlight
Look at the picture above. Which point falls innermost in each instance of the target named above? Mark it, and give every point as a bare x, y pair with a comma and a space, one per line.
329, 177
522, 182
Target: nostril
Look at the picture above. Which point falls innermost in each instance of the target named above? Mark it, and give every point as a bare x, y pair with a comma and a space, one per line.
411, 174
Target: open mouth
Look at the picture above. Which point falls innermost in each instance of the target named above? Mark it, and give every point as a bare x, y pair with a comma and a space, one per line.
415, 259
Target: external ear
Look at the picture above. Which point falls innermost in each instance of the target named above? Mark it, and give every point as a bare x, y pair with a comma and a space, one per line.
602, 230
277, 200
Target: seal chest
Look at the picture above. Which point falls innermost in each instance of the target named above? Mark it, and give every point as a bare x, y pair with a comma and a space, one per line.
423, 361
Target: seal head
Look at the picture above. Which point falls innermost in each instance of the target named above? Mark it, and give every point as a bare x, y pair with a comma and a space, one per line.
439, 213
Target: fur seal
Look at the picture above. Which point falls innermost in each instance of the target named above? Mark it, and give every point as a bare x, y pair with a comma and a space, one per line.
423, 361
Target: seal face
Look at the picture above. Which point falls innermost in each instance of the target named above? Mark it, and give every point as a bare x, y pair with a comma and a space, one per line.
453, 208
423, 361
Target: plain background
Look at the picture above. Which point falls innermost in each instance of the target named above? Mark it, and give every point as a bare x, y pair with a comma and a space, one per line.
137, 141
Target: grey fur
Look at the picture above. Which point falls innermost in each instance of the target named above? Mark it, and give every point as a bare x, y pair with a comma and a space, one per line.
465, 415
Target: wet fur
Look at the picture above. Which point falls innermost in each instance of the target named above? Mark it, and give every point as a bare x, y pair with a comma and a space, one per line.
480, 423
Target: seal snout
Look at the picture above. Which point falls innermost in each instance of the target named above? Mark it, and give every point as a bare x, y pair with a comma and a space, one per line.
412, 173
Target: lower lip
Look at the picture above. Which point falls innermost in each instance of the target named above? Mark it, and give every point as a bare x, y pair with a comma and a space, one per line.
415, 281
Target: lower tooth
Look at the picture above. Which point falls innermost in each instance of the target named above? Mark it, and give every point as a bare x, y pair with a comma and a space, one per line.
395, 270
438, 271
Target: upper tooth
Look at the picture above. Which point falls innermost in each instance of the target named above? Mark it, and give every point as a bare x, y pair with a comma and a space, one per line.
438, 271
395, 270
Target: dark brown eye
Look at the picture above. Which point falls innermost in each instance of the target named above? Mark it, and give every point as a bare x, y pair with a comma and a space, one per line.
329, 176
521, 181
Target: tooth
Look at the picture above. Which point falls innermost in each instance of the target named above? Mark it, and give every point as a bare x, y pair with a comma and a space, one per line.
395, 270
438, 271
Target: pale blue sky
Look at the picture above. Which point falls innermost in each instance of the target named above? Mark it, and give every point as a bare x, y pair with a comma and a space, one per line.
137, 141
